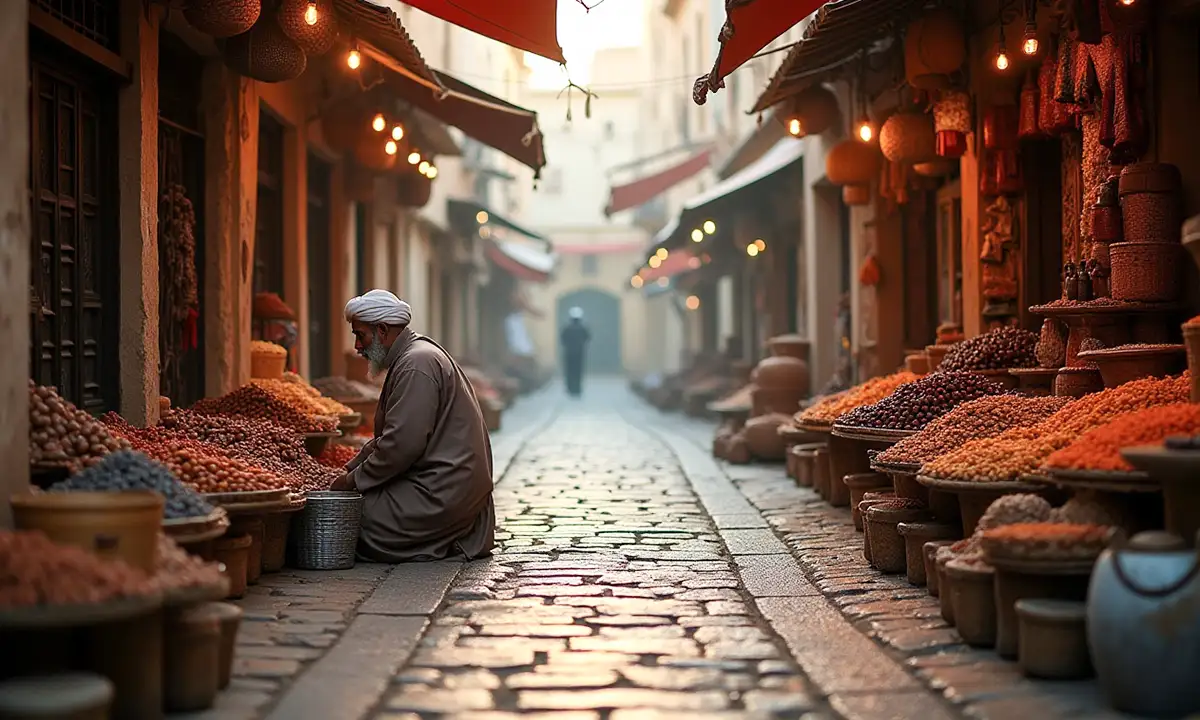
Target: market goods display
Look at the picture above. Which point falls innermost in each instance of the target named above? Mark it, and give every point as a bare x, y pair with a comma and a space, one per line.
301, 395
999, 349
1046, 541
1007, 510
982, 418
178, 570
828, 410
253, 401
916, 404
1021, 450
344, 389
128, 470
1100, 449
60, 433
1087, 509
337, 455
37, 572
262, 347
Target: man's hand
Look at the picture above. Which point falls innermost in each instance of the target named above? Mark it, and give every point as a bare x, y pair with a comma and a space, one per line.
343, 483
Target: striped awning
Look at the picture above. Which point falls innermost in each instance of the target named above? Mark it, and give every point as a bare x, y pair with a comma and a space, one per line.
380, 28
840, 32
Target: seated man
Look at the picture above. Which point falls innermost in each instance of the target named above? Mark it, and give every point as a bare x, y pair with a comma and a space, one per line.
426, 477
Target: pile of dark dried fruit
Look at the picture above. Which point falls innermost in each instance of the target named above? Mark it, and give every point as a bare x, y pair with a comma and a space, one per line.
916, 404
999, 349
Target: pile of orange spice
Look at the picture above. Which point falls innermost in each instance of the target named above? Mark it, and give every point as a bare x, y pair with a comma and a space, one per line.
1045, 541
1100, 449
828, 410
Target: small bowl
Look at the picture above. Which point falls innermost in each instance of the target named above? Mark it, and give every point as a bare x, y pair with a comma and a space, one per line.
1053, 644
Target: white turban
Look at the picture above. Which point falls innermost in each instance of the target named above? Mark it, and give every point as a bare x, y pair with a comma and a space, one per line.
378, 307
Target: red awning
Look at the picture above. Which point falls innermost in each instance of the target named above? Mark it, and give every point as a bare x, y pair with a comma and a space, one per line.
530, 25
678, 262
520, 261
643, 190
750, 25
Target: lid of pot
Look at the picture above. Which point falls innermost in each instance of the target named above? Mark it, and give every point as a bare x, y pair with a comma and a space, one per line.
54, 695
1045, 609
1156, 541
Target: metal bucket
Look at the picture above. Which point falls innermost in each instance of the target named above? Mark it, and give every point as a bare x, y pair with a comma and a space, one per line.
324, 534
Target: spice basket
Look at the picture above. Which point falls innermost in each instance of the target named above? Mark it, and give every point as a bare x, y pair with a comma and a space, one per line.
1076, 382
276, 527
265, 366
1120, 365
1150, 207
1191, 341
324, 534
1145, 271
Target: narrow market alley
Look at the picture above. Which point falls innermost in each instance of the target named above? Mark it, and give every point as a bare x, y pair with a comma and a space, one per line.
634, 579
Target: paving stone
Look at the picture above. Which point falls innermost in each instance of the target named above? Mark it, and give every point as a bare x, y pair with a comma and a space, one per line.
895, 706
548, 678
698, 701
412, 589
430, 700
674, 678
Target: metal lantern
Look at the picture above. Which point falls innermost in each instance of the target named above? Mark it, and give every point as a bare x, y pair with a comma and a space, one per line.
265, 53
816, 108
311, 24
222, 18
935, 47
908, 138
952, 123
851, 162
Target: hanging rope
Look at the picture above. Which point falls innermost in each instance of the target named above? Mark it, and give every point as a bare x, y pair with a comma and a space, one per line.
587, 98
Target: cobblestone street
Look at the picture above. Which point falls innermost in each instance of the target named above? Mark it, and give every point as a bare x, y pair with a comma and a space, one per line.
635, 578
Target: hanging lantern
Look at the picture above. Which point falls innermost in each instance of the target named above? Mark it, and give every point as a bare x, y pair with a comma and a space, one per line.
952, 123
413, 189
935, 47
265, 53
907, 137
315, 37
814, 110
940, 167
370, 151
851, 162
856, 194
222, 18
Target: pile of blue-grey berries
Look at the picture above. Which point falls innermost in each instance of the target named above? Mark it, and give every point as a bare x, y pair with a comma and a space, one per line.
128, 470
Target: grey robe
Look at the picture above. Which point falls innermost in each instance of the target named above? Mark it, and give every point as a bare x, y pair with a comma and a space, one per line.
427, 475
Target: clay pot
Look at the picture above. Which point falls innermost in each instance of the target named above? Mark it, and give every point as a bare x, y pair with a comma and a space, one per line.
761, 435
860, 484
929, 551
887, 546
782, 372
916, 536
789, 346
1053, 639
970, 588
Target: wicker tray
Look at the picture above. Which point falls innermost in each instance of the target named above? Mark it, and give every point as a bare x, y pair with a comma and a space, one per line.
887, 467
243, 498
285, 504
65, 616
1105, 309
815, 427
1005, 486
349, 422
872, 434
193, 530
1042, 567
1104, 481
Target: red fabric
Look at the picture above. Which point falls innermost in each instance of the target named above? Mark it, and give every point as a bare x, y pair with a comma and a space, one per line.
643, 190
191, 336
530, 25
750, 26
513, 267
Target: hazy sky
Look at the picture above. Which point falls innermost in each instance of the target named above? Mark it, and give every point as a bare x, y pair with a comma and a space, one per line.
612, 23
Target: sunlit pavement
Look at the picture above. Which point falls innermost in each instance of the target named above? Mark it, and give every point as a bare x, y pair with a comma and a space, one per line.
635, 578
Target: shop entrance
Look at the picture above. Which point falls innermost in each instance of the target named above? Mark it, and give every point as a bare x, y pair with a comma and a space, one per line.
268, 235
602, 314
320, 263
74, 231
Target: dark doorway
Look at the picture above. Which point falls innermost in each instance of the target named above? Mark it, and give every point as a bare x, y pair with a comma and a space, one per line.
74, 230
181, 211
320, 262
268, 233
602, 315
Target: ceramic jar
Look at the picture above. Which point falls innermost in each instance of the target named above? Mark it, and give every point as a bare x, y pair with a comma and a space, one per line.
1143, 625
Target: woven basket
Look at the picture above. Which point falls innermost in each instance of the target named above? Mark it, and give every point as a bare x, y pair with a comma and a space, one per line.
1191, 339
1150, 203
1145, 271
1077, 381
267, 367
265, 53
324, 534
275, 535
222, 18
315, 39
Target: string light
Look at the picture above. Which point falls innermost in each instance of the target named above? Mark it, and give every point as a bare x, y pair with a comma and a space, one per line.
397, 133
481, 217
1127, 3
662, 253
354, 59
390, 148
423, 167
697, 235
1001, 53
414, 158
654, 261
751, 249
710, 227
692, 302
865, 130
1030, 44
795, 127
378, 123
432, 172
310, 14
636, 281
760, 244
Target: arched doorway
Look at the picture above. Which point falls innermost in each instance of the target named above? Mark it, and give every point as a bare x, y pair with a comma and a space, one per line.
602, 314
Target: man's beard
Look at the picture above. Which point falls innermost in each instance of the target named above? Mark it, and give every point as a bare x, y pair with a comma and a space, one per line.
376, 354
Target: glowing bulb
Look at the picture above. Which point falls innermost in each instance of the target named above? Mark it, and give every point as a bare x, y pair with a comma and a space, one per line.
760, 244
865, 131
423, 167
378, 123
693, 302
432, 172
390, 148
697, 235
794, 127
751, 249
1127, 3
654, 261
481, 217
397, 133
414, 157
662, 253
1002, 60
1031, 45
636, 281
353, 60
310, 14
710, 227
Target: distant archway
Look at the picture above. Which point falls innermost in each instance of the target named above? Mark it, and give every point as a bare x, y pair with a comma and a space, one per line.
602, 315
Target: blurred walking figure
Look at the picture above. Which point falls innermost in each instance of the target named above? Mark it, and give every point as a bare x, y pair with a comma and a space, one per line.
575, 337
